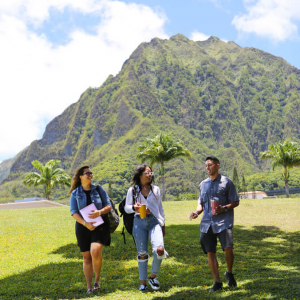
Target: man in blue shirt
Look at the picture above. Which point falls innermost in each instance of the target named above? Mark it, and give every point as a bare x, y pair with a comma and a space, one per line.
217, 223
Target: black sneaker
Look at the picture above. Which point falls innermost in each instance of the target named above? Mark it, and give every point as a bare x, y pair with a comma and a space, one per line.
143, 288
230, 278
154, 283
217, 286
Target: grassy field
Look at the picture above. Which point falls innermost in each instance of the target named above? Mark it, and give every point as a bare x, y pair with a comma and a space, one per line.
39, 258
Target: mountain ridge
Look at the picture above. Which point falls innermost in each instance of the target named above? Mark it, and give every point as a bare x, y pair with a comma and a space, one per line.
218, 97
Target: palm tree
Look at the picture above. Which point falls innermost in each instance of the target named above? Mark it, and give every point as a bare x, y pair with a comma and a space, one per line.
161, 149
286, 154
49, 177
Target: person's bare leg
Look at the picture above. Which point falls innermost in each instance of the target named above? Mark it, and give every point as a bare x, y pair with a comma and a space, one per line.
96, 253
88, 268
214, 266
229, 256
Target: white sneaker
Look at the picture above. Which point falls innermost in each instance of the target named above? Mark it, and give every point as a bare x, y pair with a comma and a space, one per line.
154, 283
143, 288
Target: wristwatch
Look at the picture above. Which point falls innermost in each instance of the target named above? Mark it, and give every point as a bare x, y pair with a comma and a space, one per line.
225, 207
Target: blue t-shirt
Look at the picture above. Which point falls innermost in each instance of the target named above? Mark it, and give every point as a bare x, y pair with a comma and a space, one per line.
223, 188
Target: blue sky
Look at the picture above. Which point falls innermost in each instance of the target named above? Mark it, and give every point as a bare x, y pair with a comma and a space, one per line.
52, 50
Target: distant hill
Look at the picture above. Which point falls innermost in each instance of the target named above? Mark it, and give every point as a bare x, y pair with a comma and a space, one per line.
5, 168
218, 97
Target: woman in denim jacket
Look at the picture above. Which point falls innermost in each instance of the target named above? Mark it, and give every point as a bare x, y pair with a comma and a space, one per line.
152, 226
90, 239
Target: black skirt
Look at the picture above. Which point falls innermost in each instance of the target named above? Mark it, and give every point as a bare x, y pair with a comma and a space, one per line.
85, 236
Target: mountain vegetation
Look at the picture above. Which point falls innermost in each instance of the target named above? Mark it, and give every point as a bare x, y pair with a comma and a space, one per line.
218, 98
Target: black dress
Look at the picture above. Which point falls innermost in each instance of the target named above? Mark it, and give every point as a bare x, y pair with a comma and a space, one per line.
85, 236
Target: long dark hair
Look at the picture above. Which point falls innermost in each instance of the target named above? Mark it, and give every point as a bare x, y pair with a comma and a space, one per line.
138, 172
76, 181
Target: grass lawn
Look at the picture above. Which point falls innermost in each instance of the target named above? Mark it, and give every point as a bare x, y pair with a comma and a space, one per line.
39, 258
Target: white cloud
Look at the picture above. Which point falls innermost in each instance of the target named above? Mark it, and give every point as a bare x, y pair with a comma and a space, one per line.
198, 36
36, 12
273, 19
38, 81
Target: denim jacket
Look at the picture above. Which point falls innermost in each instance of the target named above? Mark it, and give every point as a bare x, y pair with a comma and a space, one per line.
78, 199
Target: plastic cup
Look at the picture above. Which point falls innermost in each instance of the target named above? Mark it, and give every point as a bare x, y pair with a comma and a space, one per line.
143, 211
214, 202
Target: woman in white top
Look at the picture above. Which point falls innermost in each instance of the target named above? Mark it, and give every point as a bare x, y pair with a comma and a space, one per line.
152, 226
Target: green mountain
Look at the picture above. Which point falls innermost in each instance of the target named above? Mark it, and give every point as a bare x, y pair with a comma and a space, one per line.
219, 98
5, 168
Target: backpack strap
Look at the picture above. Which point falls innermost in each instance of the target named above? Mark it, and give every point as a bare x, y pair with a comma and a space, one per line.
134, 200
98, 190
134, 196
104, 217
123, 233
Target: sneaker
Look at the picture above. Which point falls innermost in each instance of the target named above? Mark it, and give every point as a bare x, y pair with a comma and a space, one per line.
96, 286
217, 286
154, 283
89, 291
143, 288
230, 278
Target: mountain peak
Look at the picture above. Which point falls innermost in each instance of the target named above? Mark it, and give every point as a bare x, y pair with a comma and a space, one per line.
179, 37
213, 39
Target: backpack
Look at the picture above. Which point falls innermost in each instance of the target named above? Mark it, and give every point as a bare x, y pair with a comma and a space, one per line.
127, 218
113, 215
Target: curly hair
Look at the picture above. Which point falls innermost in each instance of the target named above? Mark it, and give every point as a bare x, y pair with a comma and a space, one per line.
138, 172
76, 181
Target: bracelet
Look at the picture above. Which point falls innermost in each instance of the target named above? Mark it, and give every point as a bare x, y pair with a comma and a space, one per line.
99, 213
196, 214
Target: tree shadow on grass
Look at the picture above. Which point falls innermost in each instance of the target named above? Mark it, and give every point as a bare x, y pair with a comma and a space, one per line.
267, 261
68, 251
266, 264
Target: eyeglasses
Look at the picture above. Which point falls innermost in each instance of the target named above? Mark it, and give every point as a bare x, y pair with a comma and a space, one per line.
88, 173
149, 173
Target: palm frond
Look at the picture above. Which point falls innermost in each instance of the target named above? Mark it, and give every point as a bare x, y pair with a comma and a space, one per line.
49, 176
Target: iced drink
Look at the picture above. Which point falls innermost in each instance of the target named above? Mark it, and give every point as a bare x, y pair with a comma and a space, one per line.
214, 202
143, 211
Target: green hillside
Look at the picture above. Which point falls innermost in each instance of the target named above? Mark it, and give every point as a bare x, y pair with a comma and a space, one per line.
218, 97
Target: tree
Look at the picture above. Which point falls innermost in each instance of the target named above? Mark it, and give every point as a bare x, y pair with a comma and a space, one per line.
253, 192
49, 177
110, 191
286, 154
161, 149
235, 179
244, 187
177, 196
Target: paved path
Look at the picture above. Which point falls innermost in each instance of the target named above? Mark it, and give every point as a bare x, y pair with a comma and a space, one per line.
30, 204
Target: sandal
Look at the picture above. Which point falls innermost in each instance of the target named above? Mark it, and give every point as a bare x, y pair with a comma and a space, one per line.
96, 286
89, 291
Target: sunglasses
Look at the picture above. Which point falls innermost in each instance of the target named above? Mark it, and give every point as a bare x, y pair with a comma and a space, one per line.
149, 173
88, 173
